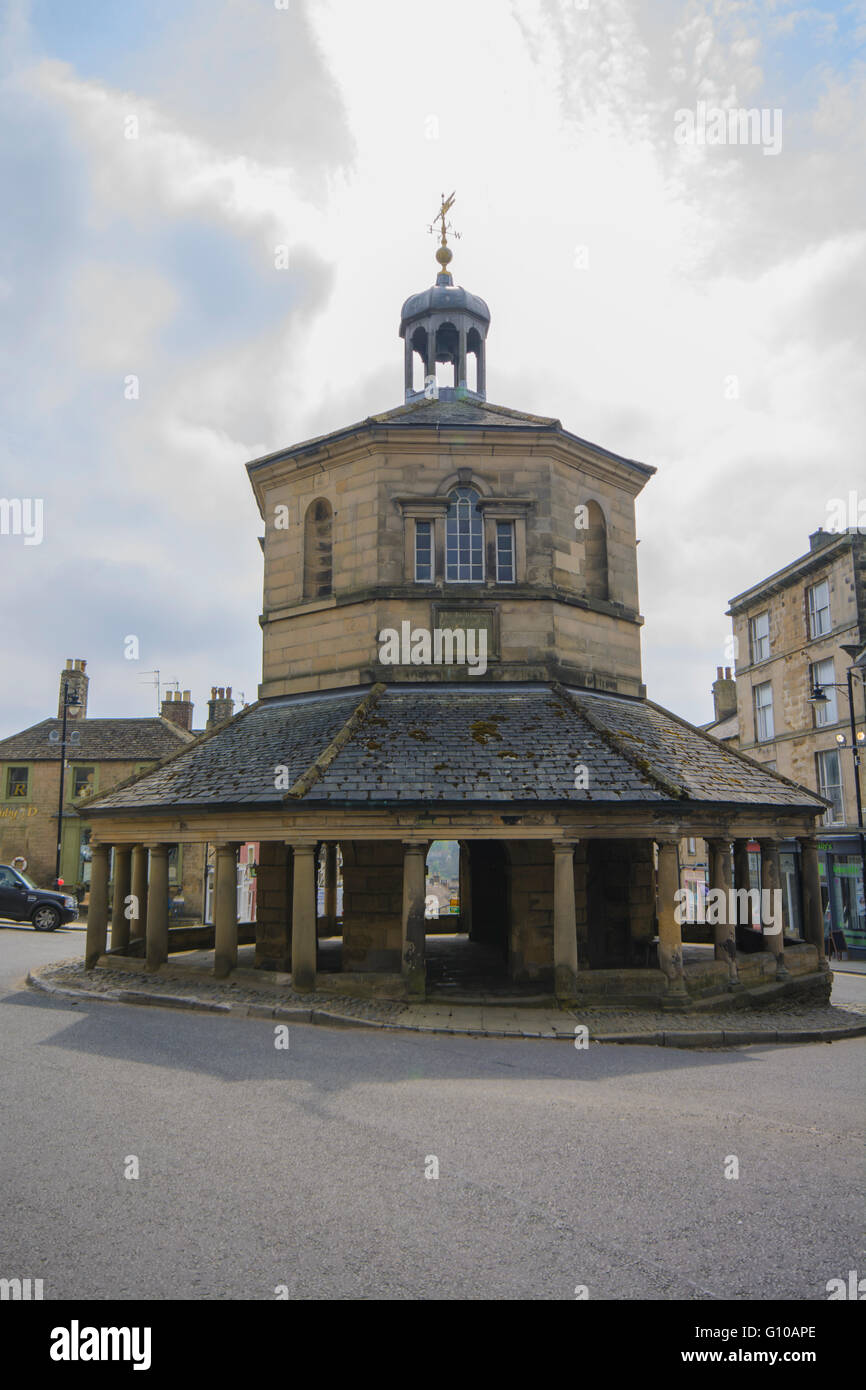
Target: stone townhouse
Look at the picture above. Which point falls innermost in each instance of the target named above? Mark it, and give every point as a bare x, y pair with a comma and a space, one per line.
798, 633
100, 754
451, 651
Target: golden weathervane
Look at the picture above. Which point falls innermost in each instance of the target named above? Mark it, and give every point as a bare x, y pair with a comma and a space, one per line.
443, 251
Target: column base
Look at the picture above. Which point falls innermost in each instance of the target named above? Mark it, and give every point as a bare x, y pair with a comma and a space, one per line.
565, 983
304, 981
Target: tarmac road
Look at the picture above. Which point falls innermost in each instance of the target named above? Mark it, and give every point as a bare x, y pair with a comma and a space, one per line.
306, 1168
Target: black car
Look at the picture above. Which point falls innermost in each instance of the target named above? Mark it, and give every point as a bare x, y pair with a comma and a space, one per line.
21, 900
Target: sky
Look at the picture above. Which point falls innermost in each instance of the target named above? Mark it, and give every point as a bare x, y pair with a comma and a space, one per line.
697, 306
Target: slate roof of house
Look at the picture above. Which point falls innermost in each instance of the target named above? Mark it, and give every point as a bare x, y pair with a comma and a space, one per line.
480, 744
101, 740
450, 411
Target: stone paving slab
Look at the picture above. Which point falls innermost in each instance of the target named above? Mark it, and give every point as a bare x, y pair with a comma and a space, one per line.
782, 1022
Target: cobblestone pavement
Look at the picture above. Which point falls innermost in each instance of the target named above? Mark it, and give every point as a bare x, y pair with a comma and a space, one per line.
784, 1021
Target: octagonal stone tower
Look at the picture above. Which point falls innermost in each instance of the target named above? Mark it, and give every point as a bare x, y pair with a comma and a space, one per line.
449, 514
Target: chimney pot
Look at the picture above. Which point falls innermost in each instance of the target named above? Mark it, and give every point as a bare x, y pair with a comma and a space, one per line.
186, 695
718, 673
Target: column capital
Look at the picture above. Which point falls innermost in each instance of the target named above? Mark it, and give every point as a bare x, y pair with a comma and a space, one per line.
414, 847
565, 846
303, 846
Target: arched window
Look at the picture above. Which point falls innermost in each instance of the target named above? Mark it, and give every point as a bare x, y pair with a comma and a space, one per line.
317, 549
464, 538
595, 553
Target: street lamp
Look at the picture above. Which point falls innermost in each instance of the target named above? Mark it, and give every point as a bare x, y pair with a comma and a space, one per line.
69, 699
857, 655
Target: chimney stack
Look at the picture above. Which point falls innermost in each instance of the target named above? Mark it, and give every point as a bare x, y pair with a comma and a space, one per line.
177, 709
220, 706
76, 680
724, 695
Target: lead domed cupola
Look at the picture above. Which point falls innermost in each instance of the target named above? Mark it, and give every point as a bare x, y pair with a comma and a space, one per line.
445, 324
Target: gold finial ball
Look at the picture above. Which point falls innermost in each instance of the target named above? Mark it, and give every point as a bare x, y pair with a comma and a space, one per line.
443, 255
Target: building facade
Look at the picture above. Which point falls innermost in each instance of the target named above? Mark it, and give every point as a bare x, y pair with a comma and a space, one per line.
797, 634
451, 652
100, 755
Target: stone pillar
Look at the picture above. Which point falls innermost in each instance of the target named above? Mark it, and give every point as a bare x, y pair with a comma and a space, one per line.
810, 879
157, 908
407, 363
138, 889
725, 928
464, 889
330, 903
97, 911
414, 953
225, 913
481, 381
304, 916
119, 919
581, 903
771, 883
431, 353
460, 365
741, 876
670, 931
274, 907
564, 921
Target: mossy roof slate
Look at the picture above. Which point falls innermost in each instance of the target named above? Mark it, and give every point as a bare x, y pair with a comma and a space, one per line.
455, 744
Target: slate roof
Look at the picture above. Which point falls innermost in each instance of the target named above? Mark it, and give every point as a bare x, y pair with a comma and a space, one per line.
102, 740
450, 411
468, 744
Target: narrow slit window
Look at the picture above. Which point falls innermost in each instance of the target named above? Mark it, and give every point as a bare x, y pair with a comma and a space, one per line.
424, 551
505, 552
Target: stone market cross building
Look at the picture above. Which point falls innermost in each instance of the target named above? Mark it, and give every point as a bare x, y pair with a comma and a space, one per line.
567, 789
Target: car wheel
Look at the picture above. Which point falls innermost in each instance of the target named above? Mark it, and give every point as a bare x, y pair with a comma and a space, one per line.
46, 918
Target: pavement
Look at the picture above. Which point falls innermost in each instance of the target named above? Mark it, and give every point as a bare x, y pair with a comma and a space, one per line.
250, 995
310, 1169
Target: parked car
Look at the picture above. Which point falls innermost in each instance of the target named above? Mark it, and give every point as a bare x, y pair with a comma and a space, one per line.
22, 901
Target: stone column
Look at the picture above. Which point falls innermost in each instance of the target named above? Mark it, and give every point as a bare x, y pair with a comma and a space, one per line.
564, 921
407, 363
414, 952
670, 930
97, 911
157, 908
138, 889
460, 371
810, 879
304, 916
225, 914
431, 354
741, 876
771, 883
725, 929
330, 903
119, 919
